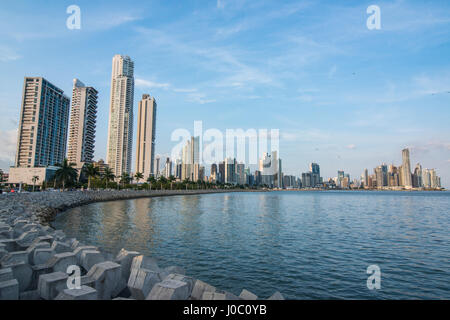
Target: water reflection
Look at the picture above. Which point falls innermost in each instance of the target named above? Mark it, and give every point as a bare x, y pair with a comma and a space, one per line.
305, 244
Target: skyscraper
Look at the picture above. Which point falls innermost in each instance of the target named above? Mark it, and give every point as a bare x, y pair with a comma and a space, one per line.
83, 119
406, 168
120, 127
145, 145
43, 124
190, 158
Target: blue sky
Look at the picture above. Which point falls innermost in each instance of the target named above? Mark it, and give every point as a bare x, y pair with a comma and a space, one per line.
341, 95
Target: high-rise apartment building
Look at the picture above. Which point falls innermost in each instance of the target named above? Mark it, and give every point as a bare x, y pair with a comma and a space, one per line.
406, 168
43, 124
120, 127
145, 145
190, 158
83, 117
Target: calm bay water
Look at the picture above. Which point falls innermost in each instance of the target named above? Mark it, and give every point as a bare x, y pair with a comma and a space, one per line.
307, 245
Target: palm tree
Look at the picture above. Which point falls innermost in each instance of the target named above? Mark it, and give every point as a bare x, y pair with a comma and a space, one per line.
125, 178
150, 180
171, 180
91, 172
108, 175
34, 179
66, 173
162, 180
138, 176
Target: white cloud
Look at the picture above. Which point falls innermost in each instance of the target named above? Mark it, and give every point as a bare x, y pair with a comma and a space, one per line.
351, 146
7, 54
139, 82
199, 98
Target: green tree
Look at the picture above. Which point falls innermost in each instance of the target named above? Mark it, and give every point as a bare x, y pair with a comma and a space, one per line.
171, 180
66, 173
35, 179
125, 178
151, 180
108, 175
138, 176
91, 171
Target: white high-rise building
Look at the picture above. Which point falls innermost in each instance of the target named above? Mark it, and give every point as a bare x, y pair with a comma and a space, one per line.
83, 119
145, 146
120, 128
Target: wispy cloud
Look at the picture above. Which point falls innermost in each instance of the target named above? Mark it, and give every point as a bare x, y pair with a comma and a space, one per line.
7, 54
199, 98
139, 82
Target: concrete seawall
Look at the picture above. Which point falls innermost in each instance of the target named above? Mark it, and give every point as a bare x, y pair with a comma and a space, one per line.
40, 263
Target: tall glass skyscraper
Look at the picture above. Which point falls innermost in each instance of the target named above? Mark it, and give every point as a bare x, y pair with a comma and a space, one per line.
406, 167
43, 123
120, 128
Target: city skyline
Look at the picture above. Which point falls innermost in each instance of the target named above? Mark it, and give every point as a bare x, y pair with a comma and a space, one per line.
341, 114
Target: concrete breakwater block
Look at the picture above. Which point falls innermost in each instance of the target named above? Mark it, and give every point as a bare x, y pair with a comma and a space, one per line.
276, 296
125, 258
34, 246
142, 281
9, 290
169, 290
89, 258
247, 295
26, 238
201, 287
60, 247
15, 256
105, 278
79, 250
22, 272
173, 287
145, 263
84, 293
51, 284
219, 295
6, 274
42, 255
60, 261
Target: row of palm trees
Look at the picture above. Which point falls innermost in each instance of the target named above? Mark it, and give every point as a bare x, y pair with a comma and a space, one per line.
68, 175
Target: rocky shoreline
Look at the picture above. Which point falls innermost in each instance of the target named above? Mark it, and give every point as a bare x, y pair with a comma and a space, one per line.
40, 263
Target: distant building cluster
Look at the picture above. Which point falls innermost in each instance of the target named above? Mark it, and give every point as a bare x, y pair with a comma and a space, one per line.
401, 177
